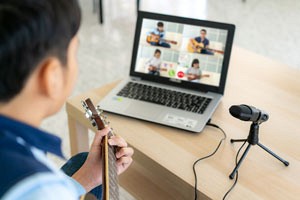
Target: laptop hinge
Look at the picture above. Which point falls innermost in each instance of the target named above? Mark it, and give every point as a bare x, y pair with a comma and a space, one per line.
134, 78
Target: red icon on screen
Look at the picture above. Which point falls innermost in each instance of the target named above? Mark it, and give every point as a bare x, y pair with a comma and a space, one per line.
180, 74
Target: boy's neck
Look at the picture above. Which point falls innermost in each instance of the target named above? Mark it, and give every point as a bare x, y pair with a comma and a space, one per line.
22, 112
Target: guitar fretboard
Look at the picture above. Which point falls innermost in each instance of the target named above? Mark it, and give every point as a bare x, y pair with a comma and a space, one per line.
113, 175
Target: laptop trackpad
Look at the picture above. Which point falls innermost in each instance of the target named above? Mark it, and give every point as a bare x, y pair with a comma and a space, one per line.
142, 109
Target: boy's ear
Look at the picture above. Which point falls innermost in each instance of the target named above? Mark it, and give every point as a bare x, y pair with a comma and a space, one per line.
51, 78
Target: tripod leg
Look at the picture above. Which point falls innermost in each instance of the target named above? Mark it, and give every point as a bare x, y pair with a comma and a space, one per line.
231, 176
286, 163
239, 140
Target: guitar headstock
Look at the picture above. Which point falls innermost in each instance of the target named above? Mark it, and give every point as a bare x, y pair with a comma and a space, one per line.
94, 114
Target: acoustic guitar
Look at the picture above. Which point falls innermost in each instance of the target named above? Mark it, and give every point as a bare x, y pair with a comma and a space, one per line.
156, 39
88, 196
196, 47
110, 186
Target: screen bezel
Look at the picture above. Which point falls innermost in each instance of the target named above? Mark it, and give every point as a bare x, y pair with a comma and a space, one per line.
173, 81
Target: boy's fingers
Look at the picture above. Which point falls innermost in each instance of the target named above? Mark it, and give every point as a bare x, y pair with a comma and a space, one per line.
126, 151
117, 141
123, 163
124, 160
99, 135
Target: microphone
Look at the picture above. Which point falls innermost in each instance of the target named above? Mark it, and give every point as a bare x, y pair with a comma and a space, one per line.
248, 113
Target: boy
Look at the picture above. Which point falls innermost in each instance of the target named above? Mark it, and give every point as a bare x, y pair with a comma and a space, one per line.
154, 63
38, 68
160, 33
195, 73
204, 43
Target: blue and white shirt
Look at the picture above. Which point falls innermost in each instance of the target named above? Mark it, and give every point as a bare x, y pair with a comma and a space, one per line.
25, 171
157, 32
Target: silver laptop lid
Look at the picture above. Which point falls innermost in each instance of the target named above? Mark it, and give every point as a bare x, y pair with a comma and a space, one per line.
182, 52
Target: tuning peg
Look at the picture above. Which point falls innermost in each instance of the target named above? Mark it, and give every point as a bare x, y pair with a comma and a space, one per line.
83, 104
94, 123
99, 110
88, 113
105, 121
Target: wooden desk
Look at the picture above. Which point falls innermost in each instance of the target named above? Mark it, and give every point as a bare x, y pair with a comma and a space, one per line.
164, 156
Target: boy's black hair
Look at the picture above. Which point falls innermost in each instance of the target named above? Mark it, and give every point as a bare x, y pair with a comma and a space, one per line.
195, 61
30, 31
160, 24
157, 51
204, 30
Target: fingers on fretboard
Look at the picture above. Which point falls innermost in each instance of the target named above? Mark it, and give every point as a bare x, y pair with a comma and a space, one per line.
113, 175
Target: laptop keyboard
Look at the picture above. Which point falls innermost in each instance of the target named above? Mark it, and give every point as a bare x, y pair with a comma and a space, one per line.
169, 98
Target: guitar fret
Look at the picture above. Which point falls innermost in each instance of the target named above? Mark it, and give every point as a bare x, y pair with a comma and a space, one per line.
113, 175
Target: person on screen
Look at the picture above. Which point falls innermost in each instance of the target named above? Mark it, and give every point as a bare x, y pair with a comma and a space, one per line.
200, 44
156, 37
194, 73
154, 63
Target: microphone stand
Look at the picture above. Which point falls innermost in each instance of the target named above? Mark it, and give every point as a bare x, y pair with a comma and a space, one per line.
253, 140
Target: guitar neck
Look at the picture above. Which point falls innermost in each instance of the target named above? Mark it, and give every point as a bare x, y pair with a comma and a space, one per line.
157, 38
110, 186
214, 50
169, 41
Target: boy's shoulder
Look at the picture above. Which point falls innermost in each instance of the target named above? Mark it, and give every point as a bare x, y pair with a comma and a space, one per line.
17, 161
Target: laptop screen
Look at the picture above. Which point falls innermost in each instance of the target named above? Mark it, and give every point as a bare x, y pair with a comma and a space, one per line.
189, 53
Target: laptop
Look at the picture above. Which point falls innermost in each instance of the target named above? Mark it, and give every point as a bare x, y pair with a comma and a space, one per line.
178, 71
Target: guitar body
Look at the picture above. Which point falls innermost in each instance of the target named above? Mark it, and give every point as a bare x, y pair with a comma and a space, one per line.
110, 186
153, 38
156, 39
197, 47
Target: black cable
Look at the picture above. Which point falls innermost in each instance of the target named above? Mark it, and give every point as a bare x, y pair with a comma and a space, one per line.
237, 173
195, 163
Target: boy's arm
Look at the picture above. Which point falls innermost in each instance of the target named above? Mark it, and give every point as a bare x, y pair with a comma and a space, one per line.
151, 32
204, 75
163, 35
46, 186
148, 62
207, 45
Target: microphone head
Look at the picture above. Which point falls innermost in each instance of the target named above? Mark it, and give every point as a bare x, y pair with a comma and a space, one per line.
264, 116
242, 112
248, 113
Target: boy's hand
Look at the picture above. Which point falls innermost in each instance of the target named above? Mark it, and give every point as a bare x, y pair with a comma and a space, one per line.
90, 174
124, 153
